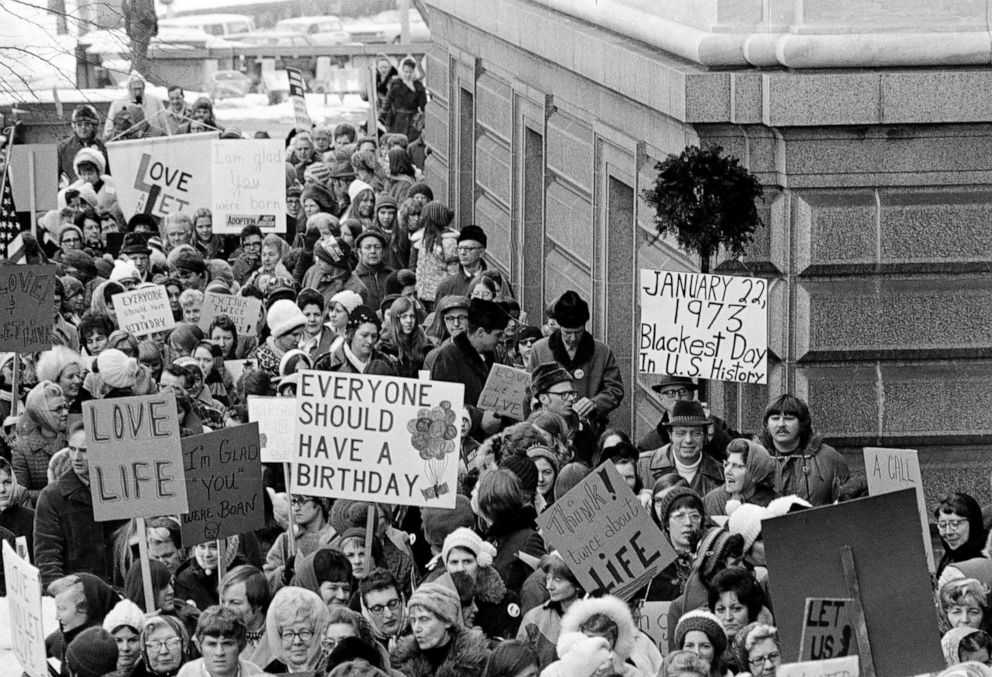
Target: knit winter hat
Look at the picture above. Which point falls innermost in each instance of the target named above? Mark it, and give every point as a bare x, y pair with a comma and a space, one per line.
465, 538
191, 261
666, 502
124, 270
70, 286
41, 402
570, 475
746, 521
712, 548
92, 155
355, 651
437, 214
93, 653
437, 523
185, 336
218, 287
347, 514
117, 369
363, 159
124, 614
570, 310
347, 298
525, 470
362, 315
547, 375
541, 451
439, 599
85, 112
356, 188
67, 228
318, 172
385, 200
706, 623
354, 668
283, 317
421, 189
80, 260
321, 195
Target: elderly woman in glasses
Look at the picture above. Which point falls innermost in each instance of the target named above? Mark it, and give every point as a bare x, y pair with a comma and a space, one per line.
296, 624
164, 646
959, 523
759, 649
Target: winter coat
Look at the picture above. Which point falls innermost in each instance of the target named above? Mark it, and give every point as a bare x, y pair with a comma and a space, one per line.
715, 446
512, 534
329, 285
66, 537
467, 654
757, 487
594, 369
67, 150
459, 362
459, 283
19, 520
374, 280
814, 474
541, 628
195, 586
196, 669
306, 544
32, 450
653, 464
586, 662
402, 107
336, 360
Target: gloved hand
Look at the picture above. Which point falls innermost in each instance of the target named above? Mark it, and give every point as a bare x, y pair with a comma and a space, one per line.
289, 571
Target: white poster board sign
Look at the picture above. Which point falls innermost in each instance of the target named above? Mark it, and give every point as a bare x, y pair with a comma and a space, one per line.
834, 667
276, 418
891, 470
24, 605
248, 182
144, 311
244, 311
377, 438
713, 327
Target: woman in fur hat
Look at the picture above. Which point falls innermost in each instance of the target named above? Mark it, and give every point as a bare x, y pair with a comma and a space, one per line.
597, 637
440, 646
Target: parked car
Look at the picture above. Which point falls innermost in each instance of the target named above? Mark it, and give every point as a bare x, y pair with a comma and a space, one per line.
385, 28
326, 31
228, 85
222, 25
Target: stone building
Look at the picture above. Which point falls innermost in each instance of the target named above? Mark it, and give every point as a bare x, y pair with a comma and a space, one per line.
868, 123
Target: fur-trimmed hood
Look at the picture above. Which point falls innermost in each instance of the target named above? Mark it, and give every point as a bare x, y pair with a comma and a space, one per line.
467, 656
616, 609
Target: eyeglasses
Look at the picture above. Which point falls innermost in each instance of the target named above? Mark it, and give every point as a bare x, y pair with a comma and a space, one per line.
469, 250
456, 318
674, 392
252, 245
292, 635
299, 502
77, 450
61, 409
378, 609
567, 395
170, 644
693, 517
759, 661
84, 123
950, 525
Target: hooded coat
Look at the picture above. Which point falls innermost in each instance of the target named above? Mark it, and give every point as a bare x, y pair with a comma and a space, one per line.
571, 623
100, 599
469, 650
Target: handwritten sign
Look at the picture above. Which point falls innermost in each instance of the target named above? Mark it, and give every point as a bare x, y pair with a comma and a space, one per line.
248, 179
24, 600
828, 629
27, 308
223, 483
377, 438
244, 311
162, 175
123, 482
712, 327
505, 392
605, 535
653, 621
847, 666
297, 89
891, 470
144, 311
276, 418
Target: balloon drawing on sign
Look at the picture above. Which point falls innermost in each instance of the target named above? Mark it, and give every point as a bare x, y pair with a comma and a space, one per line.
434, 435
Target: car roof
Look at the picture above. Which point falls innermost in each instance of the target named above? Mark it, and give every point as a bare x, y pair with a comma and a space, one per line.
307, 20
197, 19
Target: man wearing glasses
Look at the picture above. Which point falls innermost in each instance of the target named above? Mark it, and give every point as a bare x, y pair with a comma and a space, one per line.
672, 389
249, 257
472, 242
84, 122
552, 387
382, 605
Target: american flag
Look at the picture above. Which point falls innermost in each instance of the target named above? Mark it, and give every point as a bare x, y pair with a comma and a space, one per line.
11, 241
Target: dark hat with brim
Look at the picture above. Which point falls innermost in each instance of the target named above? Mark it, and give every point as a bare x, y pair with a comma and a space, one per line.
134, 243
451, 302
546, 375
673, 381
687, 413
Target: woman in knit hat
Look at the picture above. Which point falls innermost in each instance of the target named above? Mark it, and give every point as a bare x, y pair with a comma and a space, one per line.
436, 244
73, 300
196, 580
679, 513
124, 624
165, 647
541, 626
358, 353
285, 322
440, 645
701, 633
41, 432
586, 625
749, 477
118, 372
547, 471
295, 624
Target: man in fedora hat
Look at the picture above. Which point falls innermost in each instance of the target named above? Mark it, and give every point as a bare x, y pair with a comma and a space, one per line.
594, 369
672, 389
687, 426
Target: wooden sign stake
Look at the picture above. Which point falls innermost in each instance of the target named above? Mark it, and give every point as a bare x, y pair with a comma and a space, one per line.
291, 530
369, 535
221, 560
146, 569
867, 661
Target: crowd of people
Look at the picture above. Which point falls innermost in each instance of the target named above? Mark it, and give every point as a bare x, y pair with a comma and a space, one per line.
376, 276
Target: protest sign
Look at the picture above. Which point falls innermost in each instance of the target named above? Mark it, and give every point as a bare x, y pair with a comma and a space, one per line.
377, 438
653, 621
604, 534
707, 326
34, 165
244, 311
276, 418
248, 185
804, 554
27, 308
828, 629
144, 311
24, 599
126, 484
297, 93
505, 392
891, 470
224, 484
835, 667
162, 175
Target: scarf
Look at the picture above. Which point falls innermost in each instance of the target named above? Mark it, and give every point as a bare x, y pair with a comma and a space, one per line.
357, 363
687, 471
276, 350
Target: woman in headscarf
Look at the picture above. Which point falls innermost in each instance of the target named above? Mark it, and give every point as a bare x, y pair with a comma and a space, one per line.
295, 625
358, 353
962, 533
41, 432
196, 579
749, 477
82, 601
203, 118
274, 249
165, 647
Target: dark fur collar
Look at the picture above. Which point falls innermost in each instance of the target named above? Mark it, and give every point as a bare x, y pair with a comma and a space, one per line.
467, 656
583, 354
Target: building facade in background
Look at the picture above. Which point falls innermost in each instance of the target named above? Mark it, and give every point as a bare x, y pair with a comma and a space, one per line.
868, 124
